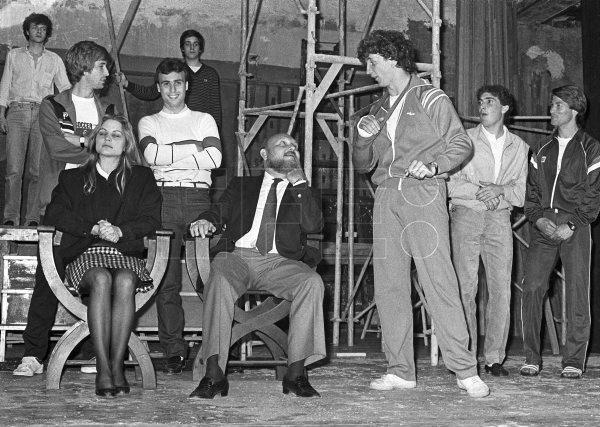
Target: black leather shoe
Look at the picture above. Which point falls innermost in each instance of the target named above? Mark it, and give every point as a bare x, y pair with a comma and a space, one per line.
32, 224
496, 370
175, 365
123, 389
9, 223
208, 389
105, 392
300, 386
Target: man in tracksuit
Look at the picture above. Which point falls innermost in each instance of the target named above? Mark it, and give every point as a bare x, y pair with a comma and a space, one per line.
65, 121
412, 138
483, 192
562, 200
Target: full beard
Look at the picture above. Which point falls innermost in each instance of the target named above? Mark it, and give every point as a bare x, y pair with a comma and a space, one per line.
282, 165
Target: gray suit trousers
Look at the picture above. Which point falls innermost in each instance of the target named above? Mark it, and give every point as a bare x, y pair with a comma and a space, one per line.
233, 273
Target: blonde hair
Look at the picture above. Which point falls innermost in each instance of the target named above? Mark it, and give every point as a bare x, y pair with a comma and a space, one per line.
131, 155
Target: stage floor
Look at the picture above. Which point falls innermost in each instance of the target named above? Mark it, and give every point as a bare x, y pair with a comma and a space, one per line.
255, 397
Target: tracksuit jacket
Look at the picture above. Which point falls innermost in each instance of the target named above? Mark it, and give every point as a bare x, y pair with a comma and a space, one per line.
575, 189
426, 131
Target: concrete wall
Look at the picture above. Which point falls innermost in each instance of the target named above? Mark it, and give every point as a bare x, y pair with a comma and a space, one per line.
549, 57
156, 28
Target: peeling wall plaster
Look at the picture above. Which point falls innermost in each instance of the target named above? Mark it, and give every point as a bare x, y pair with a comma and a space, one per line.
156, 28
554, 62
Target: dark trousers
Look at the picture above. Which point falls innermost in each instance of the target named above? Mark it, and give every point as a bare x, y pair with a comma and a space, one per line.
575, 255
180, 206
40, 317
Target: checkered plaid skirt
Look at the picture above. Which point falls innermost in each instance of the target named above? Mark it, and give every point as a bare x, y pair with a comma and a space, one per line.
107, 257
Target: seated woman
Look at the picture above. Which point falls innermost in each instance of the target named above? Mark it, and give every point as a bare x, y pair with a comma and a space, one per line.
104, 208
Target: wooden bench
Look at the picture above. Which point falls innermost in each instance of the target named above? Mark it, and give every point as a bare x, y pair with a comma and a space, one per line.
156, 263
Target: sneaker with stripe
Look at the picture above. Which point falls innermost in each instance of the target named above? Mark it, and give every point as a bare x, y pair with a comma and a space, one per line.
571, 372
528, 370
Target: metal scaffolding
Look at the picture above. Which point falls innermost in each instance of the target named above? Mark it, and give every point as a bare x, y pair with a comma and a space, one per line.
309, 98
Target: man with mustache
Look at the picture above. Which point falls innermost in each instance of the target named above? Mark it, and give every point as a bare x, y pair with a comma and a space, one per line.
562, 200
263, 248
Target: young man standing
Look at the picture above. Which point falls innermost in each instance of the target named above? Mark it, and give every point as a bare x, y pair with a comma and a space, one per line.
483, 192
65, 120
562, 200
30, 74
411, 139
204, 90
181, 146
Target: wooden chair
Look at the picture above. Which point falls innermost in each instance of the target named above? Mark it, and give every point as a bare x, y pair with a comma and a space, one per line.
260, 320
156, 263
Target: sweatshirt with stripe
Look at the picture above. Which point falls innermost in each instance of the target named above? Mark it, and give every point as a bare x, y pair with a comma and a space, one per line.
428, 129
575, 189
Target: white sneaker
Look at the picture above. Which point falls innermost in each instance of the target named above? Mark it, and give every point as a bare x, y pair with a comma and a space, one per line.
28, 367
89, 369
474, 386
390, 382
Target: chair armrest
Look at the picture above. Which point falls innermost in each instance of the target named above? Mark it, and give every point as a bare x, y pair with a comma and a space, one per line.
157, 260
197, 261
46, 243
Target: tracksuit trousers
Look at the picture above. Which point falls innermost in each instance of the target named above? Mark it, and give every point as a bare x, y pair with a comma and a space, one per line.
575, 255
410, 222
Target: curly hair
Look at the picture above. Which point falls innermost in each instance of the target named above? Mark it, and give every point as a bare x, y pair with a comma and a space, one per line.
37, 19
191, 33
131, 155
500, 92
575, 98
391, 45
81, 58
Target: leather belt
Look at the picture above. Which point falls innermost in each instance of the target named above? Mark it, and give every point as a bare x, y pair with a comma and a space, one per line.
29, 104
182, 184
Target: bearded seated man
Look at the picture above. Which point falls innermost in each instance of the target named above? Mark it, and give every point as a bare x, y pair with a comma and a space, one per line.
264, 248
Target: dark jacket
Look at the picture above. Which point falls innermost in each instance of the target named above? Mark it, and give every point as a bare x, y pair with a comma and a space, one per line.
577, 187
57, 115
136, 212
299, 214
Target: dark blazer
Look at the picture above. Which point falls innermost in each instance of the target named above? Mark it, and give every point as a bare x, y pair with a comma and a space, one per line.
73, 212
299, 214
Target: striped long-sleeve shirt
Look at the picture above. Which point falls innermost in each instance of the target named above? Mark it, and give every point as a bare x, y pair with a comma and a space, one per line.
203, 94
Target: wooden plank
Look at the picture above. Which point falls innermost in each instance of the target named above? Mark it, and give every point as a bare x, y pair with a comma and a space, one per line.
126, 24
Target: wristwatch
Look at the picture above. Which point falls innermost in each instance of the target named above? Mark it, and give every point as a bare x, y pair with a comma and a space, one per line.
571, 225
82, 141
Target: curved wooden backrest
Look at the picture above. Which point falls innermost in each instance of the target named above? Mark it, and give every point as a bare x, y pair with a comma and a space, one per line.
158, 257
197, 260
156, 263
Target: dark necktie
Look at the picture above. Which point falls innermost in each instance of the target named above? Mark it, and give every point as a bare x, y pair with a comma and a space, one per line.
266, 232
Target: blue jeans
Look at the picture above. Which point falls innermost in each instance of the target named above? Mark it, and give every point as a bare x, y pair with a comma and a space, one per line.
180, 206
23, 144
488, 235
